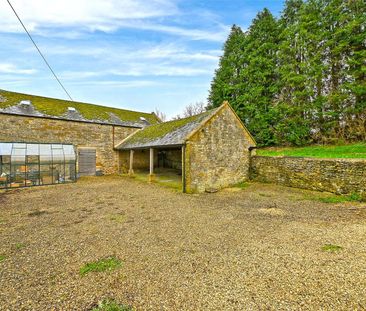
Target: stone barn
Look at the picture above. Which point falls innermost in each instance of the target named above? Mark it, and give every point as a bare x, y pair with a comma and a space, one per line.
209, 150
41, 138
50, 141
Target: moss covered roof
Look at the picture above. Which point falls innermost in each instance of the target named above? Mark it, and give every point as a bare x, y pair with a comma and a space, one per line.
164, 134
88, 112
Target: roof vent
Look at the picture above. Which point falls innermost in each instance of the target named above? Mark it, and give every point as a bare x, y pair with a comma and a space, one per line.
71, 109
143, 120
25, 102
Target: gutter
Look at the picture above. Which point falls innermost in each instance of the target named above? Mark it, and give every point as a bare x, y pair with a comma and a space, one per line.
150, 146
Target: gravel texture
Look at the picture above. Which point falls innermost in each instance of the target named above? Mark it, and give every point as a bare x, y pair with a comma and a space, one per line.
252, 249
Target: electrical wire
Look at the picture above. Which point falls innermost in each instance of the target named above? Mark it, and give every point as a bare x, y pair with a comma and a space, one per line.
39, 51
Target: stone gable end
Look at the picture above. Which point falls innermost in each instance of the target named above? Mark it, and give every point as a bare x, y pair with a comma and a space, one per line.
218, 155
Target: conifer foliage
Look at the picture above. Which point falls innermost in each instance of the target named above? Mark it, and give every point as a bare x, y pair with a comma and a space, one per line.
300, 78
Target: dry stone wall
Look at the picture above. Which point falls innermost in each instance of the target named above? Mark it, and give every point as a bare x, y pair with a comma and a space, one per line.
81, 134
341, 176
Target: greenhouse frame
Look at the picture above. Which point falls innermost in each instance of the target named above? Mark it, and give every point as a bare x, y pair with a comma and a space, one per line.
34, 164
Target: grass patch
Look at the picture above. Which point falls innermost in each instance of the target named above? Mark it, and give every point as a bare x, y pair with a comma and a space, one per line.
355, 197
118, 218
101, 265
2, 257
241, 185
19, 245
331, 248
111, 305
355, 151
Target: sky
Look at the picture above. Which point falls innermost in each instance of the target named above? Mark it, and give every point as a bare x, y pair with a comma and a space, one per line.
134, 54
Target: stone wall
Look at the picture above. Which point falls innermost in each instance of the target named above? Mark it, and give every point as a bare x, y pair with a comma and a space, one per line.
80, 134
341, 176
173, 158
141, 160
218, 154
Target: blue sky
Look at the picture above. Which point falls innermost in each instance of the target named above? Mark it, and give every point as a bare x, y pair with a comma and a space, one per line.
135, 54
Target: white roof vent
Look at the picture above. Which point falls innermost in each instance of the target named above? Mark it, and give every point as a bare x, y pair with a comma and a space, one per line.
71, 109
25, 102
144, 121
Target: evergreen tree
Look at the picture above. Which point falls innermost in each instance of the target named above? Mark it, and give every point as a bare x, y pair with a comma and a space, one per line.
354, 43
226, 83
300, 79
259, 78
294, 125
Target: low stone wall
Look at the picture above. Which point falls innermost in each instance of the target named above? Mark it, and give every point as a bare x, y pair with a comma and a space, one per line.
341, 176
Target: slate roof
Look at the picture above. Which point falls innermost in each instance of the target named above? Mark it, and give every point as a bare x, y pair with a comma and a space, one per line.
10, 103
171, 133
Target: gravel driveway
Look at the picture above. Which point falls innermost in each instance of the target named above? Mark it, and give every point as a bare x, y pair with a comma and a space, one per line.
257, 248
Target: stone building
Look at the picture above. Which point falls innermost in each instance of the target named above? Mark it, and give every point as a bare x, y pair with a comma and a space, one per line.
92, 130
212, 149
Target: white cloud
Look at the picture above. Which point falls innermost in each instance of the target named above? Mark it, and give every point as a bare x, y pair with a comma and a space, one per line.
7, 68
69, 18
101, 15
218, 34
116, 83
123, 53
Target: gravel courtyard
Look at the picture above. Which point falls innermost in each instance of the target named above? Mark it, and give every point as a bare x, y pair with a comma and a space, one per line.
239, 249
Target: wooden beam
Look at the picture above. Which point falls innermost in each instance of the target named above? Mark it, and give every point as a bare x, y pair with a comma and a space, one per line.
151, 175
130, 171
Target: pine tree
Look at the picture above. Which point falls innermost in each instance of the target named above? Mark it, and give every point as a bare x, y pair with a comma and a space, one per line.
226, 83
259, 78
300, 79
354, 42
294, 125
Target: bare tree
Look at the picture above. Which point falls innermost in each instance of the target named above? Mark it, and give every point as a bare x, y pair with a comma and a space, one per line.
161, 115
192, 110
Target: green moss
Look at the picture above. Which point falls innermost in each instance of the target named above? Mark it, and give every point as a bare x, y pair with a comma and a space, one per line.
2, 257
58, 107
160, 130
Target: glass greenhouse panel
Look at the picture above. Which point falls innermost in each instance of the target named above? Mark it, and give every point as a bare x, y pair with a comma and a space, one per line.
25, 165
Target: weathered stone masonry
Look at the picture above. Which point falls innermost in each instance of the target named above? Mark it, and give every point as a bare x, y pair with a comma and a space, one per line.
341, 176
81, 134
212, 159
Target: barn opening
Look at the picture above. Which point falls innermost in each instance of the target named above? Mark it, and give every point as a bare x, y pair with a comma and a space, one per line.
31, 164
158, 164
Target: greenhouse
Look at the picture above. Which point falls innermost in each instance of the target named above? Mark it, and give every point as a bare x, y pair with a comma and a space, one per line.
26, 165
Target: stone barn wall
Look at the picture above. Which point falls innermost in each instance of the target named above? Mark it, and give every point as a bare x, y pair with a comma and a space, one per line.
341, 176
141, 160
16, 128
218, 154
